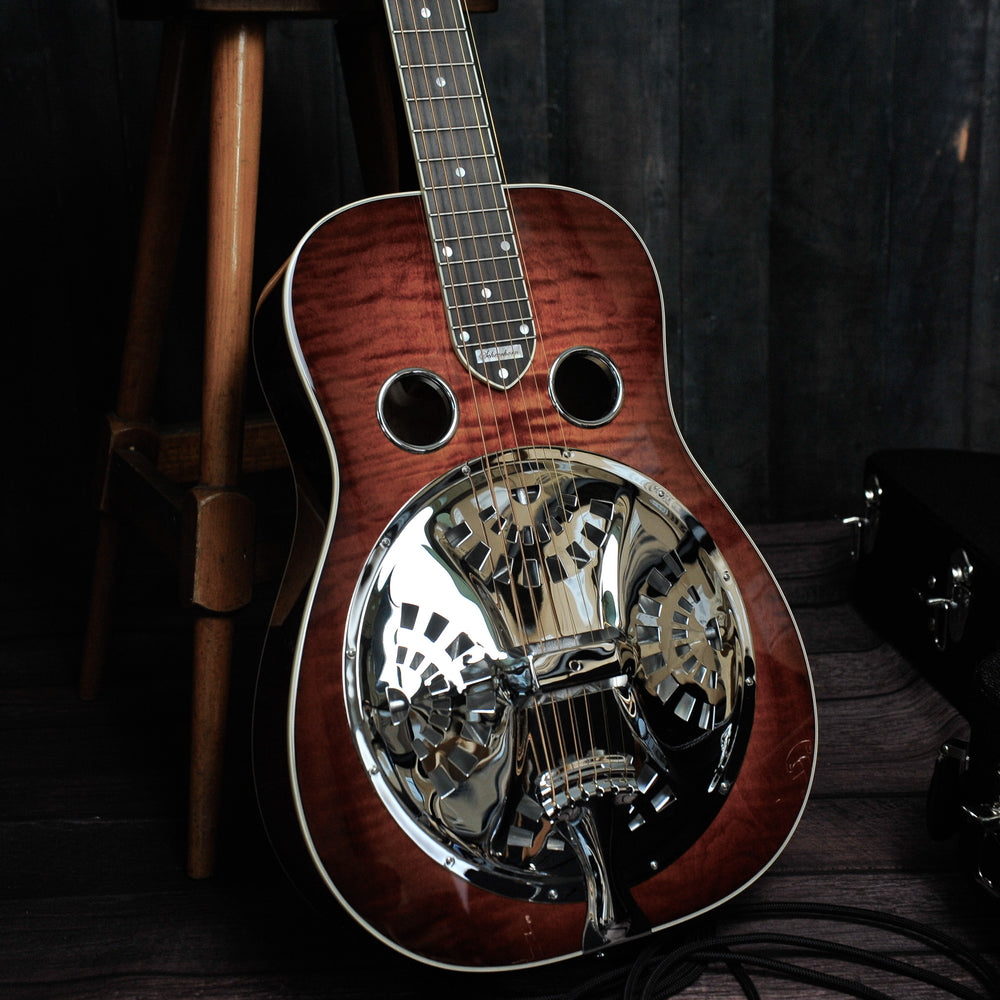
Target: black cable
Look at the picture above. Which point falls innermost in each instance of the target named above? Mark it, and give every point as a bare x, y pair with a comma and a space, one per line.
654, 975
947, 945
788, 970
743, 979
726, 946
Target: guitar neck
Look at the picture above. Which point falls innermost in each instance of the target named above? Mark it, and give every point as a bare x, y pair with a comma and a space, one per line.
461, 179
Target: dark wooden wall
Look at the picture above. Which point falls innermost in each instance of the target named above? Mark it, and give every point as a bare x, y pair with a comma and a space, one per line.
817, 182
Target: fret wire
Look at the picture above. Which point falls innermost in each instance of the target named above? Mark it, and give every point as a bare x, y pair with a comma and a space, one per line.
444, 166
442, 98
507, 267
448, 240
436, 103
515, 275
464, 185
492, 338
443, 92
475, 302
514, 321
491, 157
478, 312
424, 30
465, 211
432, 29
485, 254
489, 234
436, 123
487, 237
449, 177
444, 87
487, 307
485, 258
452, 151
502, 283
443, 64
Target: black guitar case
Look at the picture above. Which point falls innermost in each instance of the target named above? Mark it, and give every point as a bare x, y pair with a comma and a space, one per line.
929, 580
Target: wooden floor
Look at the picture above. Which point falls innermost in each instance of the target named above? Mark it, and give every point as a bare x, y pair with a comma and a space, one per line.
94, 901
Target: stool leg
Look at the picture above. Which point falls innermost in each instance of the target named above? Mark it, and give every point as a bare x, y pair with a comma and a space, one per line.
95, 639
213, 643
237, 85
180, 89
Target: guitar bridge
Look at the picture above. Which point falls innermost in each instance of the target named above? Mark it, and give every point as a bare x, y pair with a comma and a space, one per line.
575, 781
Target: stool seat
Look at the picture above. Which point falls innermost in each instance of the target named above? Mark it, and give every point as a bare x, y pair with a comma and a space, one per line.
160, 9
210, 527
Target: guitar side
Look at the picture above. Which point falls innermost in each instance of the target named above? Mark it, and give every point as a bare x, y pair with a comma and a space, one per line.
359, 301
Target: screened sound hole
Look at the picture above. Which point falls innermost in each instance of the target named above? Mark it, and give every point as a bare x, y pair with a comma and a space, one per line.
417, 410
586, 387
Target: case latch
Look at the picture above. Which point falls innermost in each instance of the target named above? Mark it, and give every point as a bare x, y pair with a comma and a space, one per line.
866, 525
949, 611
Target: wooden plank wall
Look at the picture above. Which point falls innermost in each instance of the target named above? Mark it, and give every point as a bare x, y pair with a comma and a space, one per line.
817, 184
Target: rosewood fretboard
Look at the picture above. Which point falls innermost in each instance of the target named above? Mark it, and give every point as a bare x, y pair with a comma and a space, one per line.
471, 228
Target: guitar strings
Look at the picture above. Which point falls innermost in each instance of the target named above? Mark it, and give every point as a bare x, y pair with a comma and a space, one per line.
492, 186
539, 392
574, 725
434, 207
431, 191
474, 89
543, 412
477, 264
503, 211
497, 187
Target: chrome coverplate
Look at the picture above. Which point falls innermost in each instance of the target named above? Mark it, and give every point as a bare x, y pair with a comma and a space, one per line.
549, 677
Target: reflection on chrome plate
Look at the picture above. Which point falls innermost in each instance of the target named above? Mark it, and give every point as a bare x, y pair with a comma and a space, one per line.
550, 677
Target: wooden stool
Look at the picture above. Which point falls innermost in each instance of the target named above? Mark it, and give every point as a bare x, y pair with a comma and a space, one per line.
210, 526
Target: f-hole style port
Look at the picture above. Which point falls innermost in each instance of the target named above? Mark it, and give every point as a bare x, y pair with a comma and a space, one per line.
417, 410
586, 387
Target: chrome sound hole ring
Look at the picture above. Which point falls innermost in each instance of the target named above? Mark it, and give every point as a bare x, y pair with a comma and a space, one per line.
586, 387
417, 410
537, 637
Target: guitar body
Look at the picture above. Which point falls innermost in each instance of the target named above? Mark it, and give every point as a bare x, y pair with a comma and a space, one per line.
358, 301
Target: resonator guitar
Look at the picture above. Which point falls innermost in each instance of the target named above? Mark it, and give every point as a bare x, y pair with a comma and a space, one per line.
529, 689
